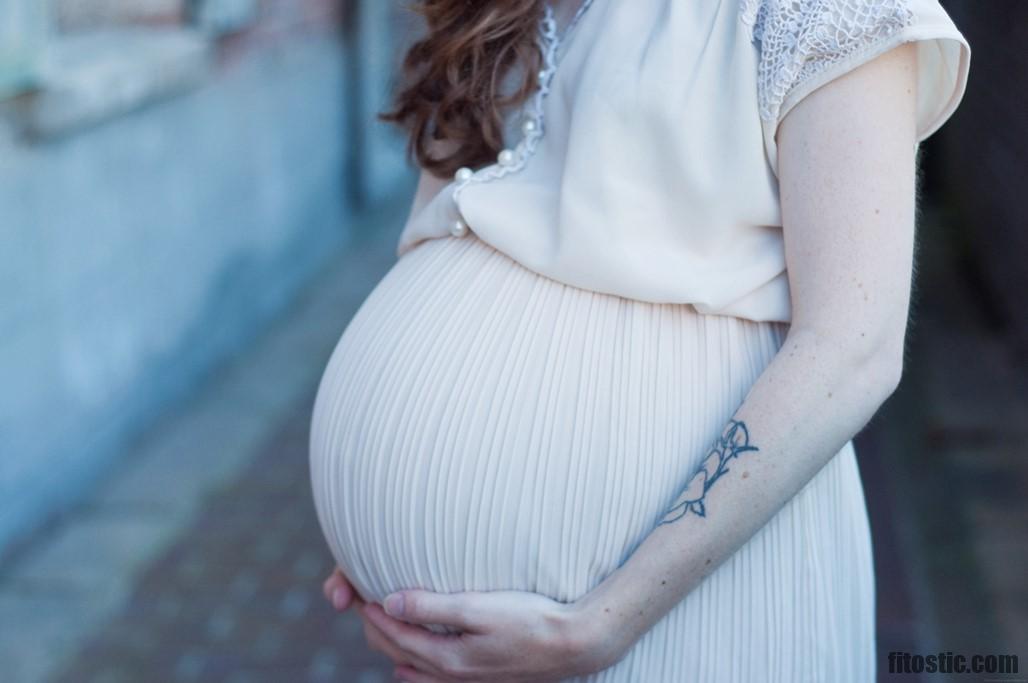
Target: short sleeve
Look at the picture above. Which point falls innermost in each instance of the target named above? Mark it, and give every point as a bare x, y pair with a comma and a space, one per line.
804, 44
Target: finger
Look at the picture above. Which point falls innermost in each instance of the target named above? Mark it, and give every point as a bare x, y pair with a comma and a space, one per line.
441, 652
340, 593
406, 673
378, 642
461, 610
329, 584
334, 580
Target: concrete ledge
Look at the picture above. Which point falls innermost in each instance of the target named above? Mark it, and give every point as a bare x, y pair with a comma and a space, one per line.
90, 77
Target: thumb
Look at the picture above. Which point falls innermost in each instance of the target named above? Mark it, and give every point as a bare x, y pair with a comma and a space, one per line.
415, 606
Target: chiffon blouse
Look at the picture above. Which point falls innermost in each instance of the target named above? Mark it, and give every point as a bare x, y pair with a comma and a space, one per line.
645, 165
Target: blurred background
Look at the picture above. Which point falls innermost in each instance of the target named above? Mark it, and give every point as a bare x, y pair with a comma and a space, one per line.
195, 199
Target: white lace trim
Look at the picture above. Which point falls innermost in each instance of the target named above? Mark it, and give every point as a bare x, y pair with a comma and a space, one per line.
801, 38
549, 43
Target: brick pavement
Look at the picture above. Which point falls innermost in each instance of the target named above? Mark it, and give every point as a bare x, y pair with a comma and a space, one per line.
238, 598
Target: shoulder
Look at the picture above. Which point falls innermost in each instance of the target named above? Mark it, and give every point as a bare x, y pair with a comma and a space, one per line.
800, 39
805, 44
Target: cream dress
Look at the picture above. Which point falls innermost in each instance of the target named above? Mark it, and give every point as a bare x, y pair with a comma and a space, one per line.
566, 331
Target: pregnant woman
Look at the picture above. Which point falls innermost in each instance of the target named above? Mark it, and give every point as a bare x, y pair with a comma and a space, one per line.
596, 422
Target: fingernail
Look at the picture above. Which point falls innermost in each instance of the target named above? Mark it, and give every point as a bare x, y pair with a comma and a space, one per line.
393, 605
338, 598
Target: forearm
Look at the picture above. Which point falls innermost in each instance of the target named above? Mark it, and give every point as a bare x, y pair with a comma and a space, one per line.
811, 399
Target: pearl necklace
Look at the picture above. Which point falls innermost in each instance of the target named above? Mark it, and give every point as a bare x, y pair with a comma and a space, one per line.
512, 160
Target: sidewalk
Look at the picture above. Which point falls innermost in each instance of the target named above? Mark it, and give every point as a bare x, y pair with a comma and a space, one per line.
202, 560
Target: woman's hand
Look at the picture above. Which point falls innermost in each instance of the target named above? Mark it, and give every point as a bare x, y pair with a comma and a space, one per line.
340, 592
506, 636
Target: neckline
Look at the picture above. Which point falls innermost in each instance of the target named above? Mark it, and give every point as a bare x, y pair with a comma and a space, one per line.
556, 36
553, 44
512, 160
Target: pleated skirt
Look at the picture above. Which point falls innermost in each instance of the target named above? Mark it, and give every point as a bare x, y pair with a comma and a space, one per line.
482, 427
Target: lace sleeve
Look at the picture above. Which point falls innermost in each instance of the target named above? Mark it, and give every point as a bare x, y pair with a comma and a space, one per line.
800, 39
804, 44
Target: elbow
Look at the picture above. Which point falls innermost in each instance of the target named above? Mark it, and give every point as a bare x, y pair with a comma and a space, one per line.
880, 370
870, 363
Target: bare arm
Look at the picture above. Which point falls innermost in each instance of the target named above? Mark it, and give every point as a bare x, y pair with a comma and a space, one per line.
428, 187
847, 181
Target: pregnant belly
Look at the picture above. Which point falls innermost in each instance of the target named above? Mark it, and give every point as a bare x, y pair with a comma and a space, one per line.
481, 427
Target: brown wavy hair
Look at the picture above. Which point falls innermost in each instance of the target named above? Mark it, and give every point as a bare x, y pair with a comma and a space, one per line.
451, 79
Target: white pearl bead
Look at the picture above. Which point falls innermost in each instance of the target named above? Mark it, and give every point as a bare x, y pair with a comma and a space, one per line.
542, 76
506, 157
459, 228
529, 126
464, 173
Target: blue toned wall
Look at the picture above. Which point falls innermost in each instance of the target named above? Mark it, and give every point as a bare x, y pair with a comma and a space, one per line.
138, 254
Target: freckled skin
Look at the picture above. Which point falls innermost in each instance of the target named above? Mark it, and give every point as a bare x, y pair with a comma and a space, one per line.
733, 442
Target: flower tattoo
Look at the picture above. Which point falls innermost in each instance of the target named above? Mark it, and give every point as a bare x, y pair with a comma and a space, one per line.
734, 440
